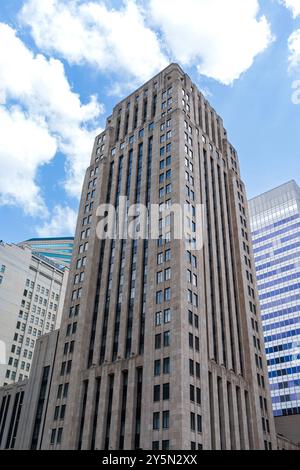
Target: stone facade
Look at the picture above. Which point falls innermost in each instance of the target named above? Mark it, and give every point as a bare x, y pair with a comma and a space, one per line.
23, 405
289, 427
210, 389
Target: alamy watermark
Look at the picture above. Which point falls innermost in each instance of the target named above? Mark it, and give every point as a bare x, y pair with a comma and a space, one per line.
154, 222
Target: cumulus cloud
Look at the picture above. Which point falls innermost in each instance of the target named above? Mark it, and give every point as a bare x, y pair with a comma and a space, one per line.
139, 37
91, 33
222, 37
62, 222
40, 115
294, 39
293, 5
25, 146
294, 49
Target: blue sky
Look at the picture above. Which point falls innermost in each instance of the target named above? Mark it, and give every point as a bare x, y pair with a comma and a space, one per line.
59, 59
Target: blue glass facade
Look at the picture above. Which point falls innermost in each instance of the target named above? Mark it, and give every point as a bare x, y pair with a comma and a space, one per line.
58, 250
275, 222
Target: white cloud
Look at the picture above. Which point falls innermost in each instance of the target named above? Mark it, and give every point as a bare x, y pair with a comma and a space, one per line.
62, 223
293, 5
294, 49
48, 117
25, 146
294, 39
91, 33
222, 37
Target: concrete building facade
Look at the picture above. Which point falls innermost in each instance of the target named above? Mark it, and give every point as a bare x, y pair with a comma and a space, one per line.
23, 405
162, 347
284, 443
11, 405
32, 293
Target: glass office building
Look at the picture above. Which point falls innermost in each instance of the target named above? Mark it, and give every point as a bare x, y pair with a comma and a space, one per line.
275, 220
58, 250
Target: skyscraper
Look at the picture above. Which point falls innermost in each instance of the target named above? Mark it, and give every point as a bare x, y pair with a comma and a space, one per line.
161, 346
58, 250
275, 219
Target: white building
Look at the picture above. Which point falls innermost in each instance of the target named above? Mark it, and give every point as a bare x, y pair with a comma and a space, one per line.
32, 291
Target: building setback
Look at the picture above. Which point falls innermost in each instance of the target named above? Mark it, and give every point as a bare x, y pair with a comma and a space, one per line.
32, 293
58, 250
162, 347
275, 220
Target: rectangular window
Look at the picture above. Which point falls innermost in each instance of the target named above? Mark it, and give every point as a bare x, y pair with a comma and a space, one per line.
166, 365
157, 367
199, 423
69, 366
167, 274
158, 341
193, 422
198, 396
167, 339
160, 258
167, 315
166, 391
192, 393
53, 436
167, 295
165, 445
63, 368
62, 412
66, 389
156, 393
59, 391
159, 297
166, 419
56, 413
158, 318
59, 435
156, 423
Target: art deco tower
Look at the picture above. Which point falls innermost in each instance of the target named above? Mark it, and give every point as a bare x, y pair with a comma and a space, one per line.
162, 347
